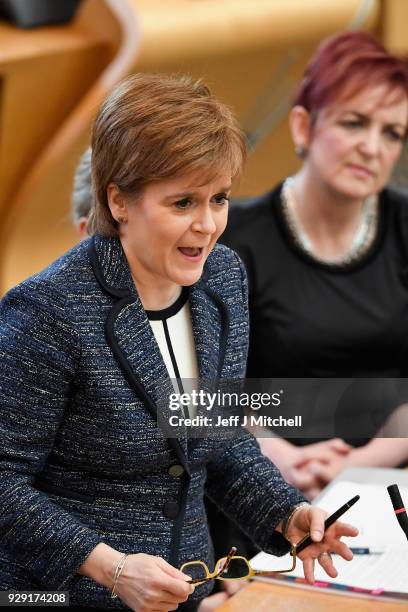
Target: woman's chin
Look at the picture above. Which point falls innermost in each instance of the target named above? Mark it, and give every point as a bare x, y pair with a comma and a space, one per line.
185, 279
356, 190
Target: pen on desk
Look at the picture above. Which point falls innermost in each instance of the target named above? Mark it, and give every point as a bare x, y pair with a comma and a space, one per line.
307, 540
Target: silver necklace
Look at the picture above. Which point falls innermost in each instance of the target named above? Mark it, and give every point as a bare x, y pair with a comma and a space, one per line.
363, 238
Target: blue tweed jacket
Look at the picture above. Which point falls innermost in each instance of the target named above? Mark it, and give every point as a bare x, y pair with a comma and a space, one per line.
82, 460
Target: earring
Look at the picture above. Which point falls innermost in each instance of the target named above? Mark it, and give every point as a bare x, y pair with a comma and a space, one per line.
301, 151
121, 220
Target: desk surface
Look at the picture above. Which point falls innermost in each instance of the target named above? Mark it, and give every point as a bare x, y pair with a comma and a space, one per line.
263, 597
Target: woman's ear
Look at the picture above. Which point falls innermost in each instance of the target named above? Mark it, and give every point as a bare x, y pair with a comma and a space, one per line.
82, 227
116, 202
300, 129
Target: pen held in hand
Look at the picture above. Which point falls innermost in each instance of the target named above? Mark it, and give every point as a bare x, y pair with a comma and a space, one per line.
307, 540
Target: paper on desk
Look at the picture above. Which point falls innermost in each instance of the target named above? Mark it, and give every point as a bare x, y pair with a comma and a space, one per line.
374, 516
388, 572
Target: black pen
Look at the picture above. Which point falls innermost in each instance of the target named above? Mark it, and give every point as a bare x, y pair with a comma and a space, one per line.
307, 540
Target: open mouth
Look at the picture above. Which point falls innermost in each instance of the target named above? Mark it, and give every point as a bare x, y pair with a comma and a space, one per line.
193, 253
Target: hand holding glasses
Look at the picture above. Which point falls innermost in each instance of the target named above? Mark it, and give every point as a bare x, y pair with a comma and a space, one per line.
234, 567
231, 567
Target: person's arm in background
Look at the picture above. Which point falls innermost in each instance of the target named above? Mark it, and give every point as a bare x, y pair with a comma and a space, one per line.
381, 451
294, 461
291, 460
378, 452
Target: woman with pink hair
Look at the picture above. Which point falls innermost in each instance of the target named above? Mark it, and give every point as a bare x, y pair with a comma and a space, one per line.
326, 255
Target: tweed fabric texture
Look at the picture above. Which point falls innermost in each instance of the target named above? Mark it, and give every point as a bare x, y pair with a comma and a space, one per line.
82, 460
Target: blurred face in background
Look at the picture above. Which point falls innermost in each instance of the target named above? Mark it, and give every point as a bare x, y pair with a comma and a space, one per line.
353, 144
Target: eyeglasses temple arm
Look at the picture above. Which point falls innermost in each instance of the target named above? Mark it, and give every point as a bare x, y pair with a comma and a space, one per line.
228, 558
271, 573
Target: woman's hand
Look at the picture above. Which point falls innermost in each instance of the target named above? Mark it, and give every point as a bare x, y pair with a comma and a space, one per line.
212, 602
229, 588
324, 460
325, 450
145, 584
309, 519
326, 472
293, 461
150, 584
290, 461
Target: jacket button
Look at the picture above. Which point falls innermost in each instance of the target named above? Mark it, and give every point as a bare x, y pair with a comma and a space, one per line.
176, 470
171, 509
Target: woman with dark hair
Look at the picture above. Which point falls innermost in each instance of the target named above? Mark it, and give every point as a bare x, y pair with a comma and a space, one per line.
97, 498
326, 255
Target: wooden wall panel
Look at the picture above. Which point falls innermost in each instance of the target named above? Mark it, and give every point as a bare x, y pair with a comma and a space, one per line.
251, 54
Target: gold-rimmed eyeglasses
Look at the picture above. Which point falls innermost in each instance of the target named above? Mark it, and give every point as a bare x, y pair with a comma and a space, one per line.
231, 567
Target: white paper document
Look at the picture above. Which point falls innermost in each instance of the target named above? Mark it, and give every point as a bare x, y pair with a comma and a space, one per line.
374, 516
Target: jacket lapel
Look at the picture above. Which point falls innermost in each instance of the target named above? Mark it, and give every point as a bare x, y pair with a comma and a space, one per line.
210, 322
130, 336
210, 327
